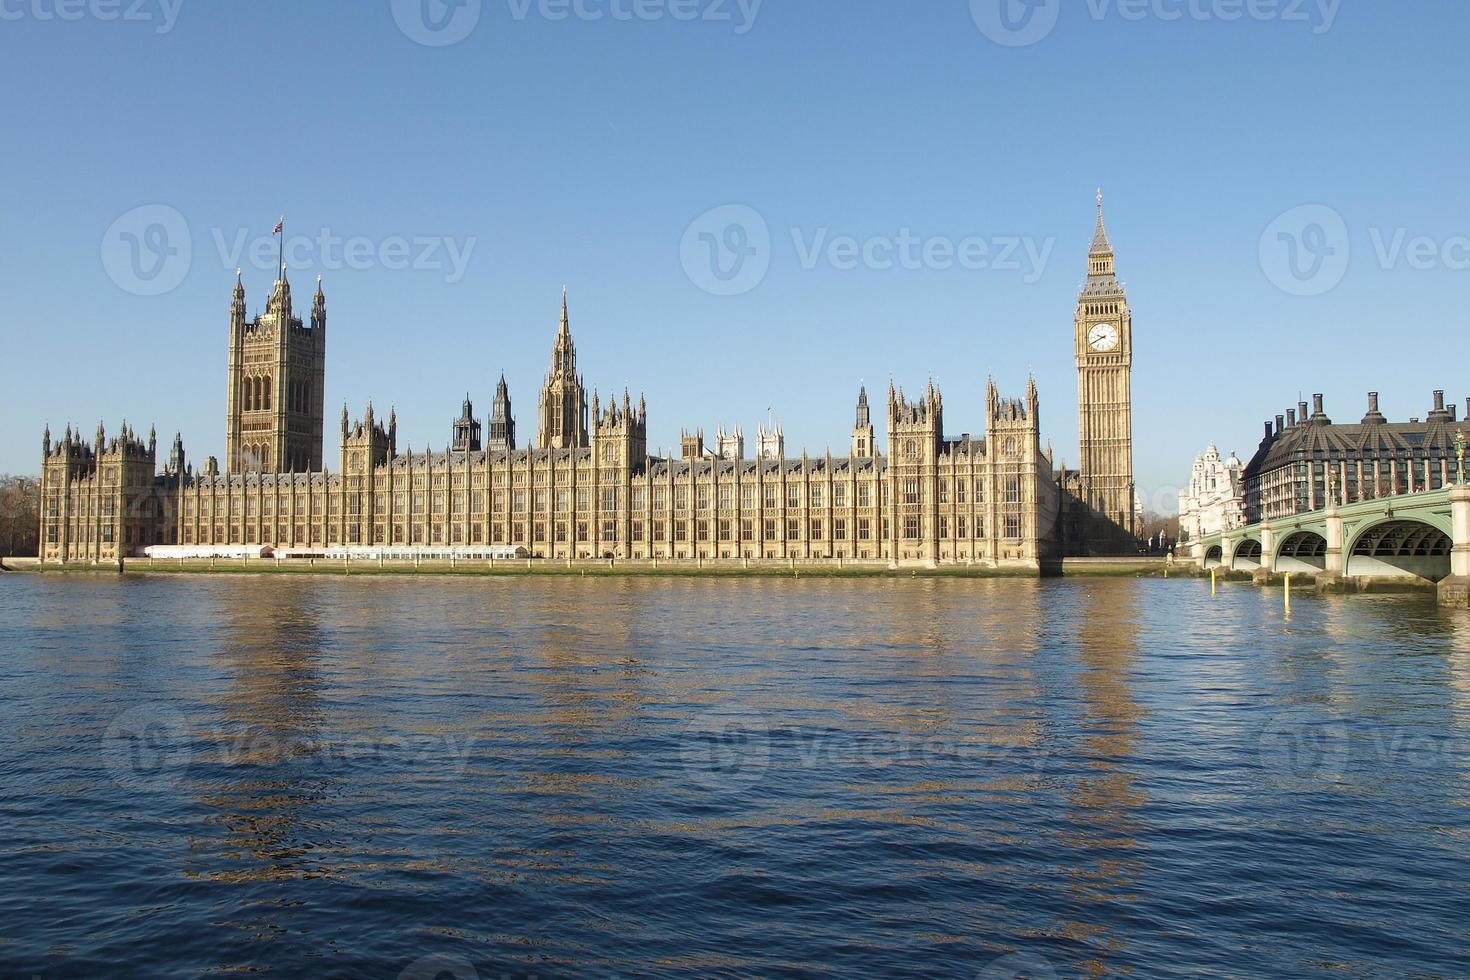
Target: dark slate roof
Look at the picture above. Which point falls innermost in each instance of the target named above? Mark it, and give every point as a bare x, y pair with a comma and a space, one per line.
1315, 440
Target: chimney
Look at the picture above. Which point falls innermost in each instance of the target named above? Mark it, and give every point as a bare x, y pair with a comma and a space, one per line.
1291, 418
1279, 420
1301, 410
1374, 416
1268, 430
1439, 401
1317, 406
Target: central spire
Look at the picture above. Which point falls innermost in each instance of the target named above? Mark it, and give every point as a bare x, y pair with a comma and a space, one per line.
1100, 243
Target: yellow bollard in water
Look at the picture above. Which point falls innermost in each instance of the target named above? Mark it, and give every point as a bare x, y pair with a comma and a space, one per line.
1288, 593
1214, 586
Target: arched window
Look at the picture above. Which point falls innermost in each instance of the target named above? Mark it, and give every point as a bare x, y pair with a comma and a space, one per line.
249, 395
266, 398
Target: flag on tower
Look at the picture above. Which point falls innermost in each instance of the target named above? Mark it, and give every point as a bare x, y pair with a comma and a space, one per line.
280, 226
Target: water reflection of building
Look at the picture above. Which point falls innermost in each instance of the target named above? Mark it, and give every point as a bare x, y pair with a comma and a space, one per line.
257, 775
1106, 800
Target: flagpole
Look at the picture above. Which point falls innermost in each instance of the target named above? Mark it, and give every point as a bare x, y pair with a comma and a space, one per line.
281, 264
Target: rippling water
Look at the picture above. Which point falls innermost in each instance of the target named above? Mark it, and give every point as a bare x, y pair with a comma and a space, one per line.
508, 777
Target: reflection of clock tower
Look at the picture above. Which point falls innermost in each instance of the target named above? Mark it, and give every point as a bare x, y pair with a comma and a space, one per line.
1104, 343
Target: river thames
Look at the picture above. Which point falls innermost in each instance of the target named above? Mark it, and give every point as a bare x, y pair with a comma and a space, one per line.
385, 777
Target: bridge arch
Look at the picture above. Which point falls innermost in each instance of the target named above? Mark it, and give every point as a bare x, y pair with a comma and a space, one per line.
1302, 551
1247, 556
1400, 548
1214, 556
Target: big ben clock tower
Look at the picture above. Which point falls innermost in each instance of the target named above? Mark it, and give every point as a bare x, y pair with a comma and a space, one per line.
1104, 345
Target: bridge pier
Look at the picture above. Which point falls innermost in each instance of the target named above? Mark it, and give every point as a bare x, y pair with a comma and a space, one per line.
1330, 578
1455, 590
1263, 574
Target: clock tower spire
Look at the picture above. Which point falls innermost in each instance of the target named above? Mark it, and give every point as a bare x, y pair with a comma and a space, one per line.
1104, 350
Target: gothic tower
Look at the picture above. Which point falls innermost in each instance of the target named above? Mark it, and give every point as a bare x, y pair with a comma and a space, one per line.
563, 407
466, 429
863, 446
502, 423
277, 384
1104, 348
915, 440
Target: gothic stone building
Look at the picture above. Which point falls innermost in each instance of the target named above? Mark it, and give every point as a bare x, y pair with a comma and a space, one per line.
588, 486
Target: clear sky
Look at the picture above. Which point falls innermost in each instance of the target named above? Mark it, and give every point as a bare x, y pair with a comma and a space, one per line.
1285, 187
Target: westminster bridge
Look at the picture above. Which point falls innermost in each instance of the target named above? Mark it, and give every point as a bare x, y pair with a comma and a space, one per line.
1414, 538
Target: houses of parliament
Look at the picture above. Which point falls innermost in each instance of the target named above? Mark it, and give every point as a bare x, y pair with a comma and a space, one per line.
586, 485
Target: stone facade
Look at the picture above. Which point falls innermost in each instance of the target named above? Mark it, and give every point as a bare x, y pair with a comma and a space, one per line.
277, 384
1215, 498
588, 487
1103, 340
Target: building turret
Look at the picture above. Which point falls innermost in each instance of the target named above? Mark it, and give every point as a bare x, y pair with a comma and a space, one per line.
319, 307
730, 446
502, 434
691, 444
466, 429
619, 438
176, 458
863, 444
563, 408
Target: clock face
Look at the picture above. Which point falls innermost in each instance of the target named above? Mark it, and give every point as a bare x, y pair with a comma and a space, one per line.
1103, 338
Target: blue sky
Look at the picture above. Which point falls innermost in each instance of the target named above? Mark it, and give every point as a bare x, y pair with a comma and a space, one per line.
556, 144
